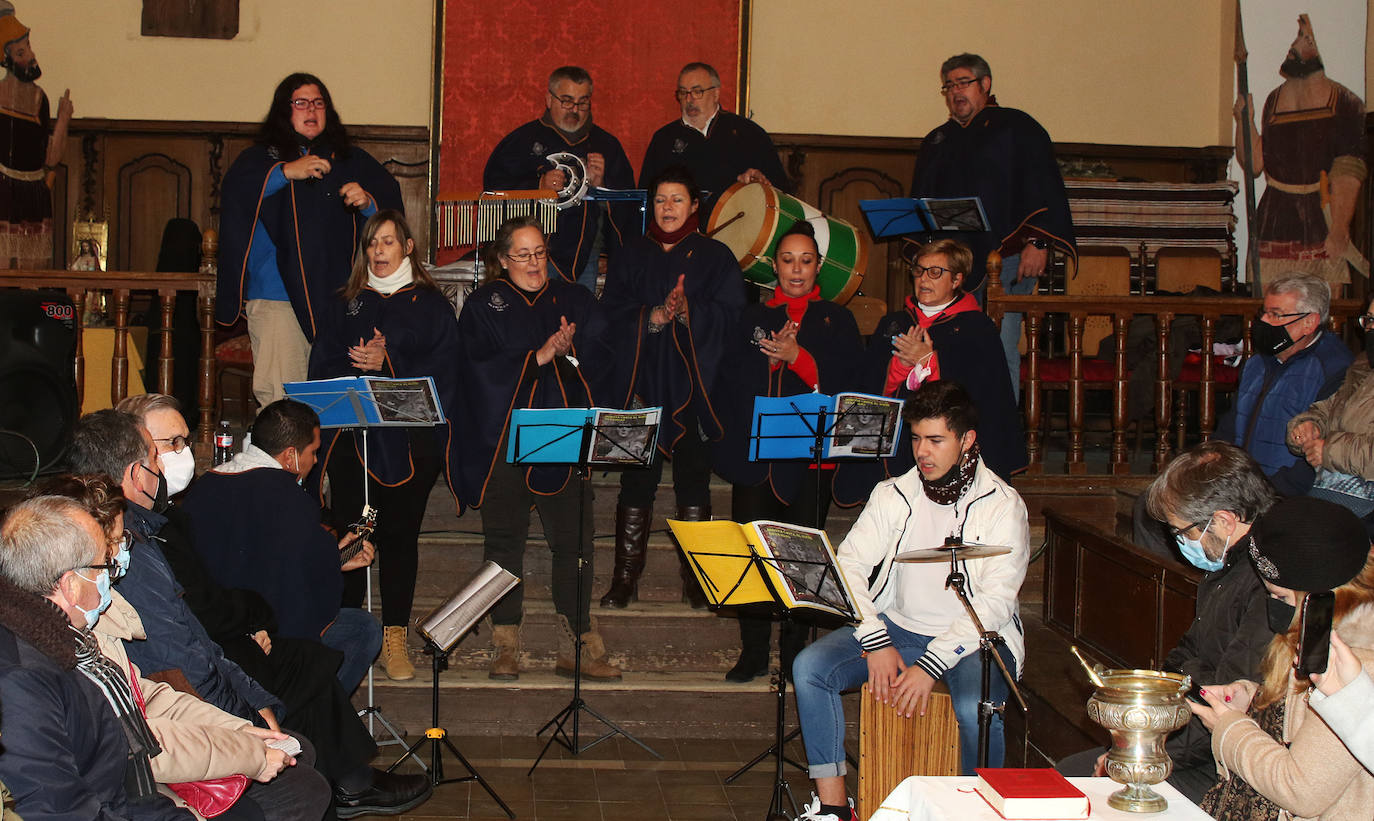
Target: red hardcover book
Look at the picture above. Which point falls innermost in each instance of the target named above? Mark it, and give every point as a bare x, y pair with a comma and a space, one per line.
1031, 794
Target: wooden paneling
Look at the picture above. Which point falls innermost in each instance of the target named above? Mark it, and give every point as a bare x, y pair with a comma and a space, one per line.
138, 174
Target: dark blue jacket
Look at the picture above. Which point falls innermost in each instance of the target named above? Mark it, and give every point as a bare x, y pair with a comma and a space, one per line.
1273, 392
176, 638
64, 752
731, 146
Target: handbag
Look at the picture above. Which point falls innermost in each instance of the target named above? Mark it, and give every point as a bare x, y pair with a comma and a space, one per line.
209, 797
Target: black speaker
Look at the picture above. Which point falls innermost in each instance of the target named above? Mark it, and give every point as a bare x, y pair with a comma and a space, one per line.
37, 379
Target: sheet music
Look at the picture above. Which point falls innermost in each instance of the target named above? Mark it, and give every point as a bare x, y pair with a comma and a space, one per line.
450, 621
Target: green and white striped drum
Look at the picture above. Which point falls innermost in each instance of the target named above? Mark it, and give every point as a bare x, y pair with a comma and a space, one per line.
750, 218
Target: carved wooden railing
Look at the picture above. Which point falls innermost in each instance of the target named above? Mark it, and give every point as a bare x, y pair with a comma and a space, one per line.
122, 284
1120, 310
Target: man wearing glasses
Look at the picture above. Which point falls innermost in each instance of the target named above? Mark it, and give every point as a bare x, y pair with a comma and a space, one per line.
294, 205
1004, 157
719, 147
519, 163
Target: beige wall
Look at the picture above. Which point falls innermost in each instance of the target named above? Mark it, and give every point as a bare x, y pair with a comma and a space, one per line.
375, 57
1089, 70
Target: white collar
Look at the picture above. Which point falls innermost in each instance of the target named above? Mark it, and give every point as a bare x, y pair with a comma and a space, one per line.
937, 309
389, 285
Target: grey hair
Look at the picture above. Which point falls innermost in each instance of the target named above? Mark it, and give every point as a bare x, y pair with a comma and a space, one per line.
41, 539
706, 67
1314, 294
145, 403
106, 442
1212, 476
972, 62
576, 74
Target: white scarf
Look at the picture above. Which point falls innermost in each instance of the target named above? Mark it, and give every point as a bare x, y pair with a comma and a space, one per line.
932, 311
390, 285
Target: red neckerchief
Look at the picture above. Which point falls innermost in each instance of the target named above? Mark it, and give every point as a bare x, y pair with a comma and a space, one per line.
958, 306
796, 305
688, 226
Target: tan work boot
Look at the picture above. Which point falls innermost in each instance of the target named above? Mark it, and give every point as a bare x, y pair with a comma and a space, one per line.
505, 664
395, 658
595, 664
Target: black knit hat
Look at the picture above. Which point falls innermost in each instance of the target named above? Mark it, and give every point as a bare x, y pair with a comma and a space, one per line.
1308, 544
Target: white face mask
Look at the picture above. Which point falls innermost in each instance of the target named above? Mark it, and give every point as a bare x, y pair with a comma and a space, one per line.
180, 469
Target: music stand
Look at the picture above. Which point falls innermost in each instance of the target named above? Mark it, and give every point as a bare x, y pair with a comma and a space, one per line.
924, 215
566, 436
353, 403
764, 564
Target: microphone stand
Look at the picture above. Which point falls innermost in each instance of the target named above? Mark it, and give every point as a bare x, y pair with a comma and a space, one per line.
988, 641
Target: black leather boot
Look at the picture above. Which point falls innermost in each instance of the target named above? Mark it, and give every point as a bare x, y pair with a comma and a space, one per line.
755, 634
691, 589
631, 546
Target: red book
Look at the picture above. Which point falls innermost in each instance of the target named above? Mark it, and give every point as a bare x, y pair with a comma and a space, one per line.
1025, 794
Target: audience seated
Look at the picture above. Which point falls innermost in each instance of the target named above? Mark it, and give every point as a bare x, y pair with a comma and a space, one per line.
113, 443
280, 549
1294, 363
75, 747
300, 672
1336, 435
1210, 497
198, 741
1275, 758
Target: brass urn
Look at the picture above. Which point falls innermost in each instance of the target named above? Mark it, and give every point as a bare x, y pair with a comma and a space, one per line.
1140, 708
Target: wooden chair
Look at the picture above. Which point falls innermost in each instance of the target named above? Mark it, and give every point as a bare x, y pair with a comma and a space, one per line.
893, 747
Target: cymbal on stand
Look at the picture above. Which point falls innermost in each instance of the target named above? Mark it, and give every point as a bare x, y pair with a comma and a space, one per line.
959, 550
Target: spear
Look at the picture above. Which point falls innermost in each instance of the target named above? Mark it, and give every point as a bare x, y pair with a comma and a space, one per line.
1247, 173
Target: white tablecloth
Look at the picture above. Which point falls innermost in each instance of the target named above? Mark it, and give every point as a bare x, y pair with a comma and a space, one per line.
952, 798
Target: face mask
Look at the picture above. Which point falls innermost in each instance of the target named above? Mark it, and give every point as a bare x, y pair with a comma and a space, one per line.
1280, 614
160, 500
1272, 339
122, 558
1196, 556
180, 469
102, 584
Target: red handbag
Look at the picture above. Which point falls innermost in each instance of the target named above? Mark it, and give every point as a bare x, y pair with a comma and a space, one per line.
209, 797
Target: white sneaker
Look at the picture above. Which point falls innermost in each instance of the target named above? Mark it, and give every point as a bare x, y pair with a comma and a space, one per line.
813, 811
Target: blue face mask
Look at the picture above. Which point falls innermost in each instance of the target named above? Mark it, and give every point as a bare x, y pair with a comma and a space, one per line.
1196, 556
123, 557
102, 584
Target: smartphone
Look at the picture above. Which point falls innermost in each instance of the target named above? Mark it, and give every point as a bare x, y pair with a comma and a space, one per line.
1195, 694
1314, 639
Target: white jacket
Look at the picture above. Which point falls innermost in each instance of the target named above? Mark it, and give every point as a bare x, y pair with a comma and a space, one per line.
992, 513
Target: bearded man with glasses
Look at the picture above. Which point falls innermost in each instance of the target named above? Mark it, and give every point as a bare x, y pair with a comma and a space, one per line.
1004, 157
294, 205
519, 162
719, 147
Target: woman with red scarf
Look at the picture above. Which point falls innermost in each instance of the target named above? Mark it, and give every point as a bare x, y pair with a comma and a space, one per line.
941, 334
795, 343
670, 299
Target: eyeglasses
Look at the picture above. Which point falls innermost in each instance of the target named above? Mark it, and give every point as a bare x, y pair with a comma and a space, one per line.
1177, 532
526, 256
1366, 322
178, 443
958, 85
569, 104
125, 540
109, 567
1272, 316
301, 103
694, 93
935, 272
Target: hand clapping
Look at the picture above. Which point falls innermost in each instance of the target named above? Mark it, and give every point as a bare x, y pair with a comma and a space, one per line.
781, 346
369, 355
674, 305
912, 346
559, 342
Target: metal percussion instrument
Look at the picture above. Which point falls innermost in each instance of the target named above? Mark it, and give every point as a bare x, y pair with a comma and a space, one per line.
953, 549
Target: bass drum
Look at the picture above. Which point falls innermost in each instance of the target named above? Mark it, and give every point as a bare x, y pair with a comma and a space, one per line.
751, 217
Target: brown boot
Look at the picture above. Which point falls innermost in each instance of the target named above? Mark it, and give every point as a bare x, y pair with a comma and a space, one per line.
505, 664
631, 546
395, 659
691, 588
595, 664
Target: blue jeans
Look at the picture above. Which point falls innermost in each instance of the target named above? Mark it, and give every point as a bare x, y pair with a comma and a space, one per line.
834, 664
358, 635
1011, 321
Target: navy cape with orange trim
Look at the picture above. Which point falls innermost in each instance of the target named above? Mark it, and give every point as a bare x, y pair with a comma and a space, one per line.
500, 329
828, 332
1005, 157
315, 234
676, 367
421, 340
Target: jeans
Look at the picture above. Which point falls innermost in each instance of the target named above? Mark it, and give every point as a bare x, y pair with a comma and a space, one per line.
834, 663
1011, 321
358, 635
